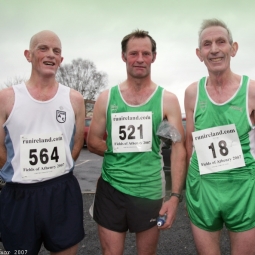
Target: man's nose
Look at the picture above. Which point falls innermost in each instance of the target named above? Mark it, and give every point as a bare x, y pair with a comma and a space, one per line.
140, 57
214, 48
51, 53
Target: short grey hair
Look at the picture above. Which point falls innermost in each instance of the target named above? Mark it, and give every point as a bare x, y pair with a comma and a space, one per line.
213, 23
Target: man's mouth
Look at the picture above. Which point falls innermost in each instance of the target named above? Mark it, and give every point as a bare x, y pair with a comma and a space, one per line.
49, 63
216, 59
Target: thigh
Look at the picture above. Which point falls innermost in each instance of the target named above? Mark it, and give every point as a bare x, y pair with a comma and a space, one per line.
112, 243
18, 217
207, 243
243, 242
61, 212
203, 204
142, 213
109, 207
147, 241
238, 204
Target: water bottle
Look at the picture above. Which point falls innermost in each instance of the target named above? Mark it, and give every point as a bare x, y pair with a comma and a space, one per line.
161, 220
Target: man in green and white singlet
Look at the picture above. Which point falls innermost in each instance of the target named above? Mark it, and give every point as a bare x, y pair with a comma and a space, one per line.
220, 144
131, 189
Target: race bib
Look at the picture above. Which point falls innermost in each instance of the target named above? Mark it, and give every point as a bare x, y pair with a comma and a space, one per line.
131, 132
42, 156
218, 149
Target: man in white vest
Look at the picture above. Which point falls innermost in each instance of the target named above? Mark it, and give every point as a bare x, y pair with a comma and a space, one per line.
41, 136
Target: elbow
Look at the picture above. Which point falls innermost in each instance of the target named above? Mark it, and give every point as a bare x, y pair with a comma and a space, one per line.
89, 145
90, 148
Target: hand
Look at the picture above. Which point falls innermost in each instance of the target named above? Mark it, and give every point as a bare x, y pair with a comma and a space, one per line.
170, 209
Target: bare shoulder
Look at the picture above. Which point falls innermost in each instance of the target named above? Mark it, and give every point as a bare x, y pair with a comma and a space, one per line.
103, 96
191, 90
101, 102
190, 96
6, 93
252, 88
76, 98
170, 100
251, 95
7, 98
75, 95
171, 106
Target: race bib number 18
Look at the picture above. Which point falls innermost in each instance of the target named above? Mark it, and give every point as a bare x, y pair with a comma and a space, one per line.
131, 131
218, 149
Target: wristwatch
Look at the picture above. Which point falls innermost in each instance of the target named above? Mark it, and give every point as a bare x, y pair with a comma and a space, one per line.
180, 196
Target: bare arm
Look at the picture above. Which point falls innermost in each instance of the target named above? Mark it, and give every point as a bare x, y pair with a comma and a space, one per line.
189, 102
172, 112
95, 141
3, 154
251, 101
77, 102
6, 104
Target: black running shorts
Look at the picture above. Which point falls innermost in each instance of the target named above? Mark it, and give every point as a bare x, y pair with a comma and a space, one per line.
120, 212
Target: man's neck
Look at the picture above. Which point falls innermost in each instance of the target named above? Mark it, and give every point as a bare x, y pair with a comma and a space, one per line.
138, 84
221, 79
136, 92
221, 87
42, 89
41, 81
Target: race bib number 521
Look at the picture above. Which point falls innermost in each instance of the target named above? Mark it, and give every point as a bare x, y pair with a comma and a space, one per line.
42, 156
131, 132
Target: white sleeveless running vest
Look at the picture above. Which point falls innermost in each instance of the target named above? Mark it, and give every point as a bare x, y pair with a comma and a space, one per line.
42, 122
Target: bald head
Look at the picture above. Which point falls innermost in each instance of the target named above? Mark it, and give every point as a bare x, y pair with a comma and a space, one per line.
44, 52
42, 36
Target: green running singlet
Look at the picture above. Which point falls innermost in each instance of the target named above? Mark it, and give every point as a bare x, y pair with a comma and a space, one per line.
138, 174
225, 197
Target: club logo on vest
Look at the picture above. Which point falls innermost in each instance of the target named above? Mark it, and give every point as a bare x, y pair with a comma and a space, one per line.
203, 105
236, 108
114, 108
61, 116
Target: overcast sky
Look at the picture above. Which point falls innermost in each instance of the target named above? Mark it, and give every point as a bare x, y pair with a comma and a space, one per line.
93, 29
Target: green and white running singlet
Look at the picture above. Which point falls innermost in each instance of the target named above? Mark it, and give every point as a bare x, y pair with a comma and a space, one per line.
223, 197
133, 163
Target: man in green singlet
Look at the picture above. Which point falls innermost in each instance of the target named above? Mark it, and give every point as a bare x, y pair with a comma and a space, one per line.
220, 146
131, 189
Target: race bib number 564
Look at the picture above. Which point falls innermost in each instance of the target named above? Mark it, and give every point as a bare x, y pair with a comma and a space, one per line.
131, 131
42, 156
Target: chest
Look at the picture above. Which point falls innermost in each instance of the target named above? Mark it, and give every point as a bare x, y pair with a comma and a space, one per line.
136, 98
221, 95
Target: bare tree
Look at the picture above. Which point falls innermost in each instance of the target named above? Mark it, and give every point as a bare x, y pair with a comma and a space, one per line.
83, 76
13, 81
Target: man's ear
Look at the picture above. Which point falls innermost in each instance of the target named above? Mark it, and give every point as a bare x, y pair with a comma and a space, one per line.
123, 56
27, 55
199, 54
234, 49
153, 57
